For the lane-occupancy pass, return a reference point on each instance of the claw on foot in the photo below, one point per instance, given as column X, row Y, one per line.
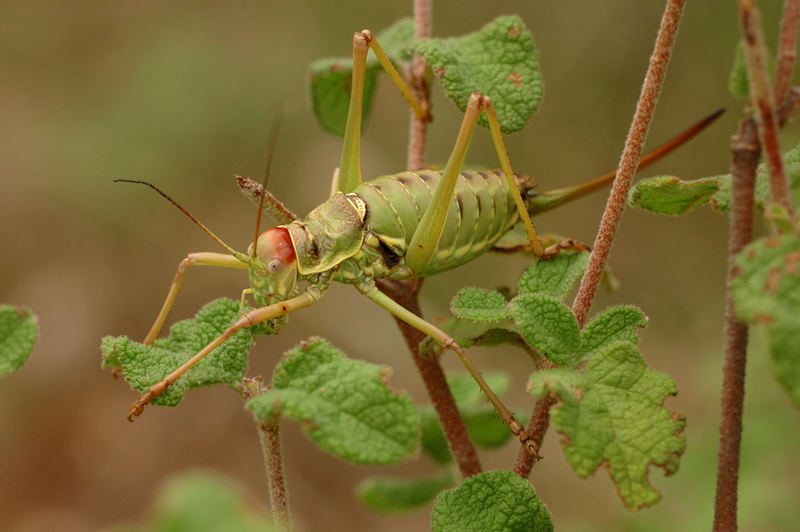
column 138, row 407
column 155, row 390
column 530, row 446
column 568, row 243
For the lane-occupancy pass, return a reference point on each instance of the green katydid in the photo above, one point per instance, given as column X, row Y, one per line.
column 411, row 224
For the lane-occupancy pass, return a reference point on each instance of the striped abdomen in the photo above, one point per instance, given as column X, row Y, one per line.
column 482, row 209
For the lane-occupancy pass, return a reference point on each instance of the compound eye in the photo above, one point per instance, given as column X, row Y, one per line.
column 274, row 266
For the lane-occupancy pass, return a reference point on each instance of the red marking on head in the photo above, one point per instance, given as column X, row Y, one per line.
column 279, row 243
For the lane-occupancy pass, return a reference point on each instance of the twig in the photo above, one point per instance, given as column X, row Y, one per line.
column 269, row 436
column 418, row 128
column 406, row 292
column 761, row 96
column 616, row 201
column 630, row 157
column 746, row 151
column 536, row 429
column 786, row 49
column 789, row 105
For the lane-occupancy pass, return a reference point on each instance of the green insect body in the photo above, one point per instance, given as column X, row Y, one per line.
column 411, row 224
column 363, row 235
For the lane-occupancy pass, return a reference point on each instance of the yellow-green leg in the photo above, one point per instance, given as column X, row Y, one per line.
column 426, row 237
column 350, row 164
column 306, row 299
column 206, row 258
column 371, row 291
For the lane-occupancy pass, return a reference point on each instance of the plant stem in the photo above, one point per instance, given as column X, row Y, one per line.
column 406, row 292
column 630, row 157
column 629, row 161
column 761, row 96
column 418, row 128
column 786, row 49
column 536, row 429
column 746, row 151
column 270, row 437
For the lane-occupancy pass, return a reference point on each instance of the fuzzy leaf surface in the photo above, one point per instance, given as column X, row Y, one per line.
column 766, row 292
column 670, row 195
column 611, row 413
column 144, row 365
column 475, row 304
column 548, row 326
column 499, row 61
column 330, row 80
column 493, row 501
column 19, row 329
column 613, row 324
column 393, row 494
column 346, row 406
column 555, row 276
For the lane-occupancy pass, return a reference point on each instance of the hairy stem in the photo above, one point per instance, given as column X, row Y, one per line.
column 629, row 161
column 746, row 151
column 761, row 96
column 536, row 429
column 406, row 292
column 786, row 49
column 269, row 436
column 418, row 128
column 630, row 157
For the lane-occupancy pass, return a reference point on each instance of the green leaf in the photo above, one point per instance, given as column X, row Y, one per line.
column 144, row 365
column 499, row 61
column 786, row 356
column 202, row 501
column 392, row 494
column 611, row 414
column 479, row 305
column 615, row 323
column 18, row 332
column 554, row 276
column 738, row 83
column 669, row 195
column 489, row 502
column 330, row 80
column 548, row 326
column 766, row 291
column 346, row 405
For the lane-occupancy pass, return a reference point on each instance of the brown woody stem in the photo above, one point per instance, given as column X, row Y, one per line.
column 761, row 97
column 630, row 157
column 786, row 49
column 629, row 161
column 746, row 151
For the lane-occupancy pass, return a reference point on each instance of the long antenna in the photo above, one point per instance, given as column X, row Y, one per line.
column 242, row 257
column 273, row 140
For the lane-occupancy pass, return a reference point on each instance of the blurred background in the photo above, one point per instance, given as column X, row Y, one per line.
column 181, row 93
